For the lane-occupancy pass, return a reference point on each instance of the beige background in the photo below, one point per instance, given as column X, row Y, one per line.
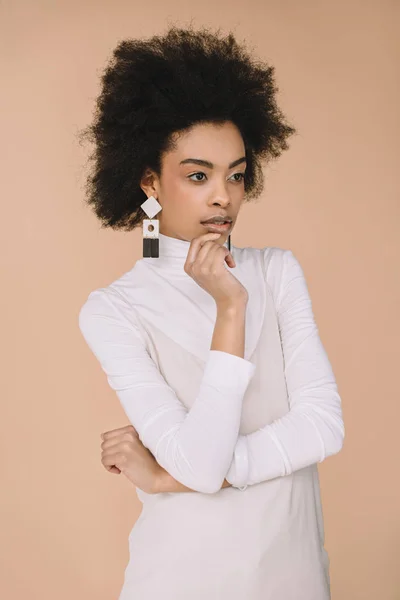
column 333, row 198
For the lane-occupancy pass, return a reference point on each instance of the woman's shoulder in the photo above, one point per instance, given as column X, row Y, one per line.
column 111, row 301
column 274, row 259
column 277, row 265
column 272, row 256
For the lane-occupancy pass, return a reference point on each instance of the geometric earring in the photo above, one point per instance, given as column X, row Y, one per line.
column 151, row 228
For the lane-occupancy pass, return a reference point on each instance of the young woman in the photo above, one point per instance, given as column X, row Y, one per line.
column 214, row 353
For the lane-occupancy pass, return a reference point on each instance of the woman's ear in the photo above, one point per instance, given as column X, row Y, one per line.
column 149, row 183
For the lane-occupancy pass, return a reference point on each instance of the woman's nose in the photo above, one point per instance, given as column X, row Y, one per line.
column 221, row 196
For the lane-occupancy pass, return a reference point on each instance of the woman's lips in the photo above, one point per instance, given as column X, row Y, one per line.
column 220, row 228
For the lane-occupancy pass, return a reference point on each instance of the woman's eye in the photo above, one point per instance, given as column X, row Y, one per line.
column 201, row 174
column 195, row 175
column 241, row 177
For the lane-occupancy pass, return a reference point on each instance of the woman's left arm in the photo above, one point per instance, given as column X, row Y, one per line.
column 166, row 483
column 313, row 427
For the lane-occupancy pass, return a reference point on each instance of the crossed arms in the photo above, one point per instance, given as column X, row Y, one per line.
column 201, row 449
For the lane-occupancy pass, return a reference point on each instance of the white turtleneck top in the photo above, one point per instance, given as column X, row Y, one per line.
column 202, row 447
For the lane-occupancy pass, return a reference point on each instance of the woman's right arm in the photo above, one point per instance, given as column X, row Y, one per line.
column 195, row 446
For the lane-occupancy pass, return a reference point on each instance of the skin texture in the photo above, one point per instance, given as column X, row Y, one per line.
column 190, row 193
column 123, row 452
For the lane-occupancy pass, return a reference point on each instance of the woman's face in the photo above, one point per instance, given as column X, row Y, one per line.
column 191, row 192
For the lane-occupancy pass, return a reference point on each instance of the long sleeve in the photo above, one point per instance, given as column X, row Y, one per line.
column 313, row 428
column 194, row 446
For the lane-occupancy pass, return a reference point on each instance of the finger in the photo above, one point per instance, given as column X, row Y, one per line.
column 113, row 469
column 126, row 439
column 206, row 256
column 230, row 260
column 113, row 459
column 111, row 443
column 197, row 243
column 115, row 432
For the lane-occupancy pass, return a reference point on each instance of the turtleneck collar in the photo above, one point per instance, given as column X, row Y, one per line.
column 172, row 254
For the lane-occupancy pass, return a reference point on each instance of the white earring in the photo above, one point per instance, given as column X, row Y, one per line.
column 151, row 228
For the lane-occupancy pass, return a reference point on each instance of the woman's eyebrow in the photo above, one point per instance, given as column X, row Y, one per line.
column 206, row 163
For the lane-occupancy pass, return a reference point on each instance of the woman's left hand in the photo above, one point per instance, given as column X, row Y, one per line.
column 122, row 451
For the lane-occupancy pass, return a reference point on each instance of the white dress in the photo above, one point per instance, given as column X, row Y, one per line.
column 263, row 422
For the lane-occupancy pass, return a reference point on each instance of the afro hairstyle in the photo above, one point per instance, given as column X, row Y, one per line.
column 155, row 88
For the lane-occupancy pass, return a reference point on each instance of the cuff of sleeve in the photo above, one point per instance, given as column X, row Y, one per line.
column 228, row 370
column 238, row 472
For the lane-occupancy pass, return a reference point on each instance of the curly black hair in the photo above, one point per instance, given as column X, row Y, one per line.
column 154, row 88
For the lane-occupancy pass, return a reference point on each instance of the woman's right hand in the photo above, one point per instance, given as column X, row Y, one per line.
column 205, row 264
